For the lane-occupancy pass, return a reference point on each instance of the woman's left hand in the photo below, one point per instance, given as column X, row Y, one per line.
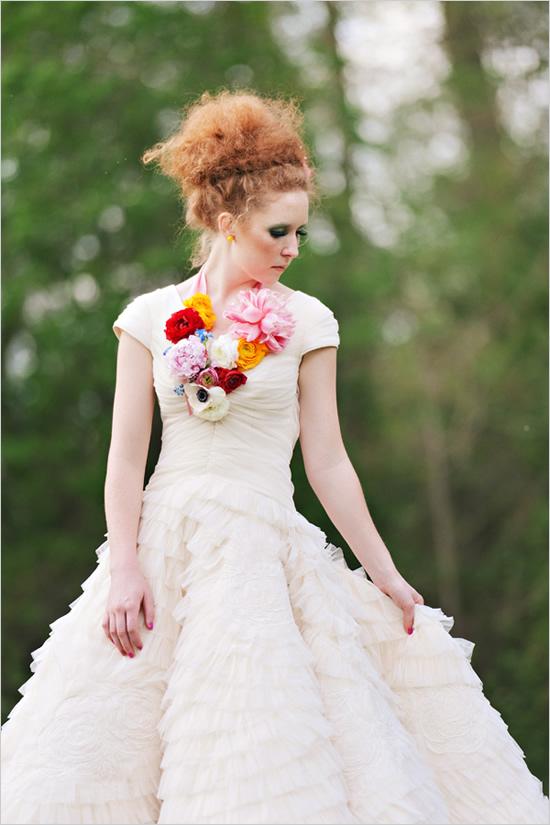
column 404, row 596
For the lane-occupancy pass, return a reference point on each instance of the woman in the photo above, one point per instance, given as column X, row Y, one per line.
column 223, row 664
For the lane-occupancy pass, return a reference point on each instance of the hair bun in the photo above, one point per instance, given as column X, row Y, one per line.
column 230, row 133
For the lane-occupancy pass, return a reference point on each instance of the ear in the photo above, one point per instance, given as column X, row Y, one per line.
column 224, row 222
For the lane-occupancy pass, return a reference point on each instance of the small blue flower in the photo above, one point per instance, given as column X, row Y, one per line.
column 203, row 335
column 179, row 390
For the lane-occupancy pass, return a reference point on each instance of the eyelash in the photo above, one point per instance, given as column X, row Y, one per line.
column 281, row 234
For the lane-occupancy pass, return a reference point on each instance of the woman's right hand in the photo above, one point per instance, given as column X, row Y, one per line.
column 129, row 589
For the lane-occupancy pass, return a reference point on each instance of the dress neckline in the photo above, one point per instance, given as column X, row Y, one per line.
column 199, row 284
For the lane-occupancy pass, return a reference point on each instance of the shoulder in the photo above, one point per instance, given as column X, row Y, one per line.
column 311, row 308
column 317, row 323
column 140, row 299
column 136, row 315
column 145, row 303
column 307, row 300
column 149, row 297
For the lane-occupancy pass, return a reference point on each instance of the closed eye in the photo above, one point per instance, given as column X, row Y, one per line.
column 280, row 233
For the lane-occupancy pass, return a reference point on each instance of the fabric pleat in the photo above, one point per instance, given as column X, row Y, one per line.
column 277, row 686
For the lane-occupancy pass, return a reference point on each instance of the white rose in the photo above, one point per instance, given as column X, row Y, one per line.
column 224, row 351
column 210, row 403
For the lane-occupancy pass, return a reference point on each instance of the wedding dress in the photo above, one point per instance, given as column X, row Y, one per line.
column 277, row 685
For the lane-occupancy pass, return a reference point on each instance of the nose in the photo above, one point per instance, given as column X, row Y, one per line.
column 291, row 250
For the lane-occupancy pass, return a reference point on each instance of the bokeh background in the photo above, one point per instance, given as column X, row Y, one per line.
column 428, row 124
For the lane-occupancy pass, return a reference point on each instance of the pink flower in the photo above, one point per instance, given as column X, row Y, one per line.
column 186, row 358
column 261, row 315
column 207, row 377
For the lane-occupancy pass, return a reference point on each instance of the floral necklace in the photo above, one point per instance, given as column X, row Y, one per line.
column 209, row 368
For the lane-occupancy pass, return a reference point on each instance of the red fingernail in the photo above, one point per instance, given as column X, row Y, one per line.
column 410, row 630
column 150, row 626
column 131, row 655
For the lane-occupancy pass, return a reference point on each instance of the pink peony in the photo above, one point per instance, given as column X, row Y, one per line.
column 261, row 315
column 187, row 357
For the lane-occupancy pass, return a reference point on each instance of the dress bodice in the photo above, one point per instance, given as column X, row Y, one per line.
column 253, row 443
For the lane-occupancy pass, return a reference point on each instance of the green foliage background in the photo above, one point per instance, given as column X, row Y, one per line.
column 442, row 366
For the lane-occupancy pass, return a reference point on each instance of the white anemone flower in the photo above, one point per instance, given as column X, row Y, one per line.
column 210, row 403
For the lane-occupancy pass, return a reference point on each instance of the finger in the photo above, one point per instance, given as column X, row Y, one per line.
column 105, row 626
column 148, row 610
column 122, row 634
column 408, row 618
column 113, row 634
column 132, row 630
column 419, row 599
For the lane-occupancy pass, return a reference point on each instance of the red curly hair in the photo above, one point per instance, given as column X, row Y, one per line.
column 230, row 152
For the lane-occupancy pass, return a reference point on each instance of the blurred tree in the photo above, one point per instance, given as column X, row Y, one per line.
column 437, row 275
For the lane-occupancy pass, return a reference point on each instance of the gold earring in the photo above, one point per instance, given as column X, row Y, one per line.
column 231, row 237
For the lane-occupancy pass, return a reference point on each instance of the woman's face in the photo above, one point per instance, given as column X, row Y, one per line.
column 271, row 236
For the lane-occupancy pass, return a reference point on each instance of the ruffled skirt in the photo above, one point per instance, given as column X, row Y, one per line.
column 277, row 686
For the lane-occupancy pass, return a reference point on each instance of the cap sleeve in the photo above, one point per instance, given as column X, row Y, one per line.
column 135, row 318
column 321, row 328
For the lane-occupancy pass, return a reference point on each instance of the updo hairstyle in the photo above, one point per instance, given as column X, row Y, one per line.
column 231, row 152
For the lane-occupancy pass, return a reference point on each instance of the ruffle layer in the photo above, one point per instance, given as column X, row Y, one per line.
column 478, row 767
column 277, row 686
column 243, row 726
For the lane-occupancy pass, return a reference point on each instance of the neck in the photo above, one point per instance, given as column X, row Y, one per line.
column 224, row 279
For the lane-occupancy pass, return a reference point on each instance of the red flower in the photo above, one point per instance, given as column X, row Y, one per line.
column 182, row 324
column 230, row 379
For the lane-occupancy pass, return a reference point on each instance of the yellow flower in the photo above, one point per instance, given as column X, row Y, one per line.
column 250, row 353
column 202, row 304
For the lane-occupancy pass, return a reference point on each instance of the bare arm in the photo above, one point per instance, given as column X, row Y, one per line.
column 328, row 467
column 335, row 482
column 131, row 432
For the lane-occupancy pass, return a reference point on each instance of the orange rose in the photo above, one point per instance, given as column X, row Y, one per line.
column 202, row 304
column 250, row 353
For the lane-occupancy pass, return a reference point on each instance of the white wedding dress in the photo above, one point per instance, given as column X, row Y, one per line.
column 277, row 686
